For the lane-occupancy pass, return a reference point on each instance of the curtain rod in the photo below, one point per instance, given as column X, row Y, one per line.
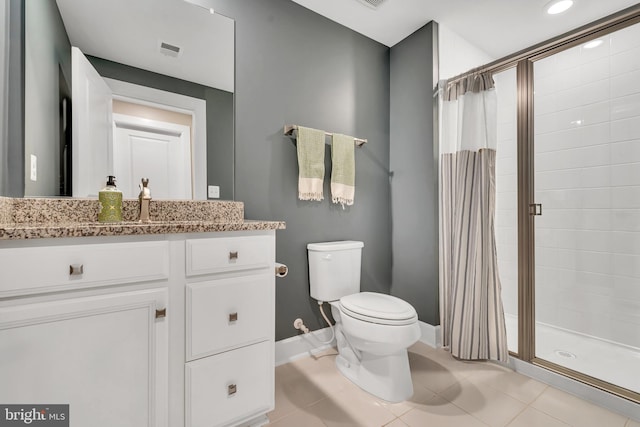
column 622, row 18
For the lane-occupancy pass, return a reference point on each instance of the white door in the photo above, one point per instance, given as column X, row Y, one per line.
column 105, row 356
column 91, row 128
column 160, row 151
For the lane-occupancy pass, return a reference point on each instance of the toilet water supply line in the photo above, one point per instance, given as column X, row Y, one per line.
column 298, row 324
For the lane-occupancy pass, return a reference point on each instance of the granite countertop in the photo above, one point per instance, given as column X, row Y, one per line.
column 51, row 218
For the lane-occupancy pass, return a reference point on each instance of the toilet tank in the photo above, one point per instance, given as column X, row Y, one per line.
column 334, row 269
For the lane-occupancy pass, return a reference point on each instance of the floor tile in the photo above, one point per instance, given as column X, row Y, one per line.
column 420, row 396
column 575, row 411
column 421, row 348
column 432, row 372
column 293, row 391
column 533, row 418
column 396, row 423
column 297, row 419
column 518, row 386
column 321, row 370
column 488, row 405
column 351, row 407
column 441, row 413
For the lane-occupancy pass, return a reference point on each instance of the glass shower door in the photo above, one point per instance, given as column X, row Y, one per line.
column 587, row 187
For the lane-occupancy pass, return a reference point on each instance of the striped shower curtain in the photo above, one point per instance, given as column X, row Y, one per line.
column 471, row 311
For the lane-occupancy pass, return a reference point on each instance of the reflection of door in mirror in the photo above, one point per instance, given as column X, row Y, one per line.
column 92, row 154
column 139, row 142
column 159, row 150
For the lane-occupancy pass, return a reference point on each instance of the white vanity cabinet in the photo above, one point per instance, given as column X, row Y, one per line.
column 230, row 320
column 102, row 351
column 158, row 330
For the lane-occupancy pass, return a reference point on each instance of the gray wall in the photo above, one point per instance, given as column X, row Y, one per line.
column 47, row 55
column 414, row 200
column 296, row 67
column 219, row 116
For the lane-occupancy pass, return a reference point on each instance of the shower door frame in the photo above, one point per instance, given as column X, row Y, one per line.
column 524, row 61
column 526, row 199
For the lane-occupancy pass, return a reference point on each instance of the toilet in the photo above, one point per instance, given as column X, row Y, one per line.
column 373, row 330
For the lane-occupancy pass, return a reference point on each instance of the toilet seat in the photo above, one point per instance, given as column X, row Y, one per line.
column 378, row 308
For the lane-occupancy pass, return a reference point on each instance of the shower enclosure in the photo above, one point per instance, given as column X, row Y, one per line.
column 568, row 204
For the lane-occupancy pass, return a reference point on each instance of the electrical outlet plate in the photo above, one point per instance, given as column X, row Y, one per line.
column 213, row 192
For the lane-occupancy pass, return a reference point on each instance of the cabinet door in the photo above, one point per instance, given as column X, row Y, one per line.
column 105, row 356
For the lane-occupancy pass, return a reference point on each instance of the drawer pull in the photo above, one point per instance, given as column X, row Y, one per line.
column 161, row 313
column 233, row 317
column 233, row 255
column 76, row 269
column 231, row 389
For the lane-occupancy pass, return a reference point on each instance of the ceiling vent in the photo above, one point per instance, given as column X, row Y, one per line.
column 373, row 4
column 169, row 49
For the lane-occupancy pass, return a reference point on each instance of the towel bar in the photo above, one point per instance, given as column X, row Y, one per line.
column 288, row 130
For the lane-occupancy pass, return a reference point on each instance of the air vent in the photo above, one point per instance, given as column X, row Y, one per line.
column 169, row 49
column 374, row 4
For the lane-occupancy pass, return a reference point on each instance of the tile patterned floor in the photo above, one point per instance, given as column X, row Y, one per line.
column 311, row 392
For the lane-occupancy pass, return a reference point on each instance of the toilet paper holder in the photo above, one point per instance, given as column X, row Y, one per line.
column 281, row 270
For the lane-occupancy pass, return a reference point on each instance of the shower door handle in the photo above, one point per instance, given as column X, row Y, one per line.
column 535, row 209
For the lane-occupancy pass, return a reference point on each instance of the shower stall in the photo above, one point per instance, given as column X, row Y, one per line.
column 568, row 204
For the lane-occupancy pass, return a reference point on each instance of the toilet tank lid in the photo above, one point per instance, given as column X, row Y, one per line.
column 334, row 246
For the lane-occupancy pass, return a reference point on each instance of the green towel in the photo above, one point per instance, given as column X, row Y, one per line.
column 310, row 163
column 343, row 172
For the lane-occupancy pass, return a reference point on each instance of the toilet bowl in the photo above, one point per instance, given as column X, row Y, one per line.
column 372, row 353
column 373, row 330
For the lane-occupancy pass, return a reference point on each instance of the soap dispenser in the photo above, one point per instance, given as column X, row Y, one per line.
column 110, row 201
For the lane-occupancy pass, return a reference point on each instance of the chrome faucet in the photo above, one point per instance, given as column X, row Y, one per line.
column 144, row 201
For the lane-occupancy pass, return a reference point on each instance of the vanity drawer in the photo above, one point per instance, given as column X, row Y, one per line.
column 226, row 313
column 219, row 255
column 230, row 387
column 29, row 270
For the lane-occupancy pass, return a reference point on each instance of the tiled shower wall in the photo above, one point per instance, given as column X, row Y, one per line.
column 507, row 195
column 587, row 177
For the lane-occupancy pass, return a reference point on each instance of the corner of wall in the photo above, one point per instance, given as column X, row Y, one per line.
column 457, row 55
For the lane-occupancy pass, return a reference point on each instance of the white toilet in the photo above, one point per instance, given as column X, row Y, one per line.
column 373, row 331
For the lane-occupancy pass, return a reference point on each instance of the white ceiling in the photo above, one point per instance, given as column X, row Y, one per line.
column 129, row 32
column 498, row 27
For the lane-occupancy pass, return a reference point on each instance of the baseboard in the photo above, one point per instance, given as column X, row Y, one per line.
column 430, row 334
column 304, row 345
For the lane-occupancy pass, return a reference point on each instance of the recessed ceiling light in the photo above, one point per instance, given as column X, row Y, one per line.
column 558, row 6
column 593, row 43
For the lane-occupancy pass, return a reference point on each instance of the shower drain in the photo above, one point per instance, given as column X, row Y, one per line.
column 565, row 354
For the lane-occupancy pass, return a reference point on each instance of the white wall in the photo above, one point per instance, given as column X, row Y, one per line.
column 457, row 55
column 587, row 161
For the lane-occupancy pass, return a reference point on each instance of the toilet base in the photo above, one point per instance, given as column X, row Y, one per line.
column 387, row 377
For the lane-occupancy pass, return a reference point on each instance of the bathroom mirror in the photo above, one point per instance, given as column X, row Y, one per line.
column 146, row 53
